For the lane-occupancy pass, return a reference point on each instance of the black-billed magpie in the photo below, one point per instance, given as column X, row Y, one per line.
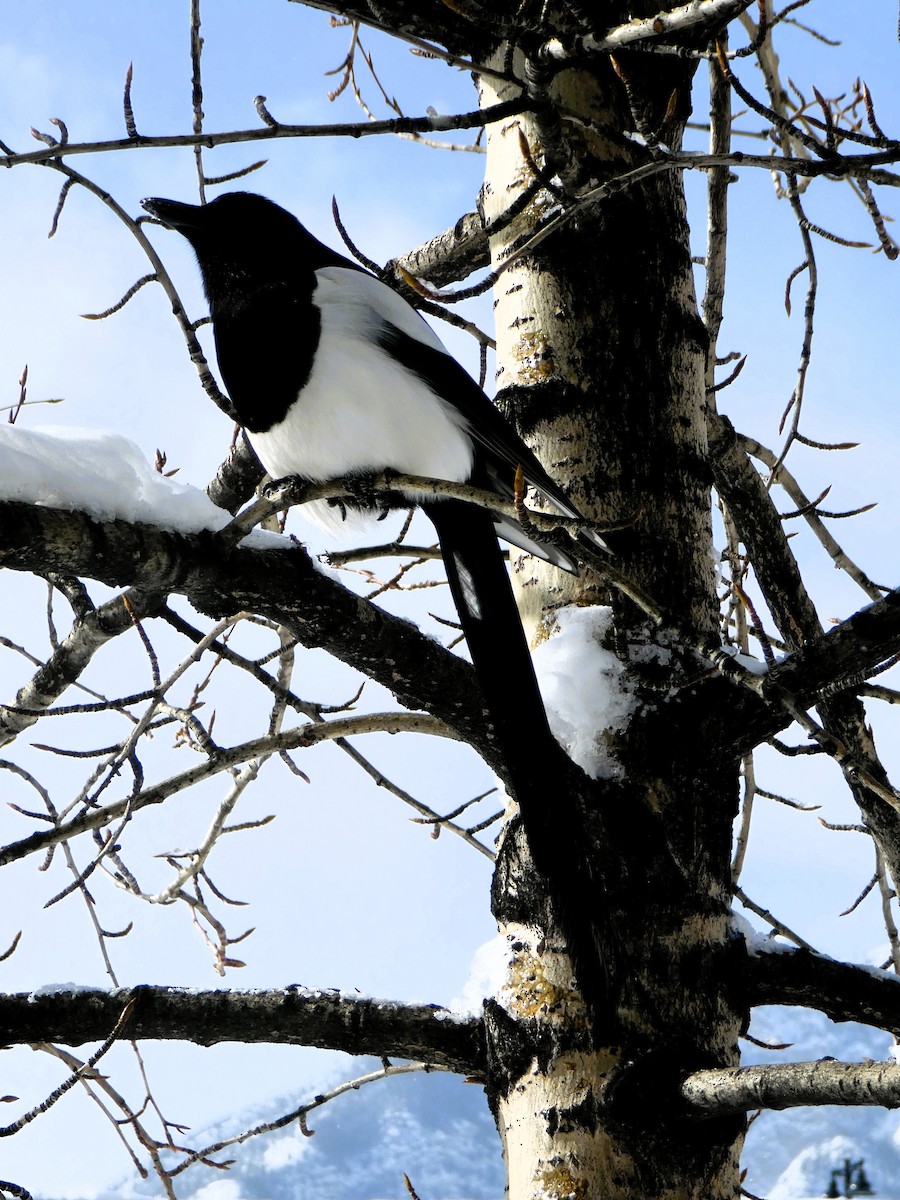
column 332, row 373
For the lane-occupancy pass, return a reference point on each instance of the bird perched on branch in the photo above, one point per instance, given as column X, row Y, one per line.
column 333, row 374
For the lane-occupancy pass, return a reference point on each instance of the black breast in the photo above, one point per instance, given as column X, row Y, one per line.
column 265, row 345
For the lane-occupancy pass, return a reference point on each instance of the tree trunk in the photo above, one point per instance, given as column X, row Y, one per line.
column 601, row 356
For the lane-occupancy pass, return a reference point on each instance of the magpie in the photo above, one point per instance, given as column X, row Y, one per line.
column 333, row 374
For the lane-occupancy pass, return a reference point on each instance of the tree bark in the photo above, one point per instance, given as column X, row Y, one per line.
column 601, row 357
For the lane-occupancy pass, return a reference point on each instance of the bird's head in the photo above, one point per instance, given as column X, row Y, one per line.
column 240, row 236
column 232, row 216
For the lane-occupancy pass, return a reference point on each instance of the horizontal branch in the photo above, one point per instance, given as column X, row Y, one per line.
column 665, row 24
column 397, row 486
column 841, row 166
column 290, row 1016
column 860, row 166
column 725, row 1090
column 842, row 991
column 266, row 133
column 221, row 579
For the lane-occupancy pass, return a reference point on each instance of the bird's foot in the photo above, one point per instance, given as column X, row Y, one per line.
column 284, row 492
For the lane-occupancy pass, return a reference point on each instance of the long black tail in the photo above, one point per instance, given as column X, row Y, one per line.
column 551, row 816
column 487, row 610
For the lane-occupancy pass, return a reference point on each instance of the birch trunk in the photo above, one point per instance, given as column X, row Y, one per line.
column 600, row 363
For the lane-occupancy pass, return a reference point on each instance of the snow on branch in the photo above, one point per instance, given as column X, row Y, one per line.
column 703, row 13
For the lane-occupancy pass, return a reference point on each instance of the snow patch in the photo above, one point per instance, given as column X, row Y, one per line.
column 106, row 476
column 102, row 474
column 486, row 977
column 587, row 693
column 810, row 1172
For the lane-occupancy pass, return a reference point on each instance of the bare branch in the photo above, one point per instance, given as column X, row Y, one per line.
column 71, row 658
column 223, row 759
column 777, row 926
column 197, row 96
column 789, row 1085
column 283, row 585
column 291, row 1016
column 843, row 991
column 124, row 1016
column 425, row 124
column 300, row 1114
column 120, row 304
column 783, row 476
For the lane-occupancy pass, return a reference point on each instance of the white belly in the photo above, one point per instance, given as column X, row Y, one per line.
column 359, row 412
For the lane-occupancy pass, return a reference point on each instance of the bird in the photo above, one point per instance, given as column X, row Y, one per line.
column 332, row 373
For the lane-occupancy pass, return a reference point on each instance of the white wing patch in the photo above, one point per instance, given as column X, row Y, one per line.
column 360, row 409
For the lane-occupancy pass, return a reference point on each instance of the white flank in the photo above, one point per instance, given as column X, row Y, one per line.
column 361, row 410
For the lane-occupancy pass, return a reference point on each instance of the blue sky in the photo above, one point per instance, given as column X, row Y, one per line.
column 361, row 897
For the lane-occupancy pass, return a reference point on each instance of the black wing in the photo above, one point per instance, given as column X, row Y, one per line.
column 502, row 450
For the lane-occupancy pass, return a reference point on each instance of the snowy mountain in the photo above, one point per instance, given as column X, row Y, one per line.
column 437, row 1129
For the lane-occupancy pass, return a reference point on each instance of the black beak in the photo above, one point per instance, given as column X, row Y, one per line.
column 172, row 213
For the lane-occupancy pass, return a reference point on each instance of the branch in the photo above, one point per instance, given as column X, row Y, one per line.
column 284, row 585
column 860, row 166
column 785, row 696
column 394, row 484
column 707, row 14
column 452, row 255
column 790, row 1085
column 845, row 656
column 299, row 1115
column 823, row 664
column 71, row 657
column 842, row 991
column 810, row 513
column 219, row 760
column 265, row 133
column 411, row 21
column 291, row 1016
column 237, row 478
column 762, row 532
column 785, row 689
column 716, row 217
